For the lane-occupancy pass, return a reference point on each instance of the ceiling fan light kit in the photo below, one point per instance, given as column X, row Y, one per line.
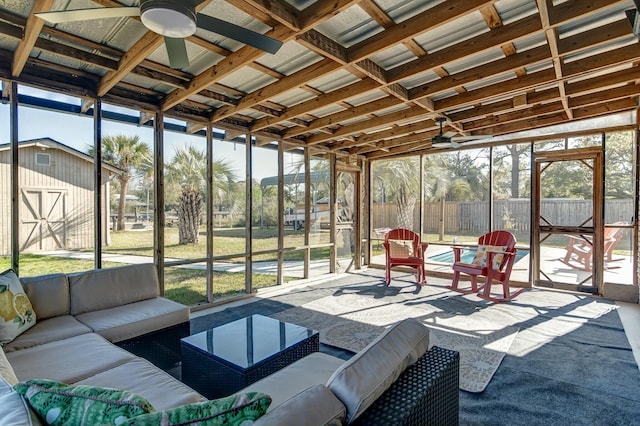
column 168, row 18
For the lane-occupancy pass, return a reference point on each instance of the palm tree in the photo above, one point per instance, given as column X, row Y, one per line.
column 189, row 170
column 402, row 184
column 131, row 155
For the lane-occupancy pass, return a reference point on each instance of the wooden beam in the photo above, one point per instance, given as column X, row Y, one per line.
column 474, row 46
column 491, row 69
column 435, row 17
column 361, row 126
column 231, row 63
column 288, row 83
column 348, row 114
column 320, row 101
column 31, row 32
column 147, row 44
column 551, row 34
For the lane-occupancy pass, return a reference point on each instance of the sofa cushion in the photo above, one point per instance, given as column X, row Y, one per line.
column 6, row 370
column 314, row 406
column 14, row 410
column 306, row 372
column 61, row 404
column 141, row 377
column 135, row 319
column 107, row 288
column 16, row 312
column 46, row 331
column 68, row 360
column 49, row 294
column 231, row 410
column 363, row 378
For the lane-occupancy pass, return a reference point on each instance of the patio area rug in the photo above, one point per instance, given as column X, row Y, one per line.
column 353, row 323
column 569, row 363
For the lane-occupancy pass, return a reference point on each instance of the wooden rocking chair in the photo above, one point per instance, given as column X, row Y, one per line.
column 403, row 248
column 494, row 260
column 580, row 248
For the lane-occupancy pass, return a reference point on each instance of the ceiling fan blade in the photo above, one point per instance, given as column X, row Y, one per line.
column 238, row 33
column 177, row 51
column 62, row 16
column 441, row 144
column 449, row 134
column 471, row 137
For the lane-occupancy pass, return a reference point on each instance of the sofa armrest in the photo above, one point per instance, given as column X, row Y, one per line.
column 427, row 393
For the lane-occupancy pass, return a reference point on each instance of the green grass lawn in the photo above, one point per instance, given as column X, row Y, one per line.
column 182, row 284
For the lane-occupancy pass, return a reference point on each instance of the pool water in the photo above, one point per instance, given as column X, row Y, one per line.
column 467, row 255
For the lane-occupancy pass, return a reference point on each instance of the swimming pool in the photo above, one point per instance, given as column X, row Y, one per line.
column 467, row 255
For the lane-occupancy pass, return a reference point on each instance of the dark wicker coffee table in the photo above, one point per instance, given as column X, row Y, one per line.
column 225, row 359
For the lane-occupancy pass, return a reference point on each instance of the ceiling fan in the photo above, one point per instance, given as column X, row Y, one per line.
column 173, row 19
column 448, row 140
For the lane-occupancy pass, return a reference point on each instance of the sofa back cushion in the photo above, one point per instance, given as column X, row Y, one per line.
column 107, row 288
column 370, row 372
column 49, row 294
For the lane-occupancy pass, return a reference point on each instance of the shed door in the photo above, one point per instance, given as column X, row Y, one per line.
column 44, row 219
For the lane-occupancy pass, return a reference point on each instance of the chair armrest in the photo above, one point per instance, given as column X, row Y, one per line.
column 457, row 251
column 426, row 393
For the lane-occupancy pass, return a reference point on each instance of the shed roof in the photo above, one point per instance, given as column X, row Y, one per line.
column 48, row 143
column 297, row 178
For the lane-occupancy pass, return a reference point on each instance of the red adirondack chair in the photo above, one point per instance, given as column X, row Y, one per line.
column 403, row 248
column 494, row 260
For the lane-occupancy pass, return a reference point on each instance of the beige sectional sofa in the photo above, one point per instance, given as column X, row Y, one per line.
column 83, row 320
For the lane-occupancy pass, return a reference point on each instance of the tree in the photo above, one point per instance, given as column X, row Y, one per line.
column 188, row 169
column 131, row 155
column 401, row 178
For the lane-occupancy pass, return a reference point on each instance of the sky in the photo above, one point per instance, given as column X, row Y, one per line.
column 77, row 132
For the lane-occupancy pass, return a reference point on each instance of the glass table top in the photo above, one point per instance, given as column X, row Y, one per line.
column 248, row 341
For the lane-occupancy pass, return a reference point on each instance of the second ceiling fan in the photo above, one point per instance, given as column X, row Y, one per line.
column 173, row 19
column 449, row 140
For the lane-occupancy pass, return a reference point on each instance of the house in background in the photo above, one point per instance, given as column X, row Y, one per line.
column 56, row 197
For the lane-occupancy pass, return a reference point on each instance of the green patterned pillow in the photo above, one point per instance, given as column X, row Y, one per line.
column 61, row 404
column 230, row 410
column 16, row 312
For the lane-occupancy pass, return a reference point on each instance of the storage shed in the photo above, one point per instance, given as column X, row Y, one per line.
column 56, row 197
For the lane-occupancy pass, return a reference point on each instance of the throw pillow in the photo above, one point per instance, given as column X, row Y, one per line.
column 16, row 313
column 230, row 410
column 480, row 258
column 61, row 404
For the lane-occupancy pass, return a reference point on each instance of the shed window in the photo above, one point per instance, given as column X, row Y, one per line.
column 43, row 159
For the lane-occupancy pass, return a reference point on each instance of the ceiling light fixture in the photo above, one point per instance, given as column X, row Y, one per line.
column 168, row 18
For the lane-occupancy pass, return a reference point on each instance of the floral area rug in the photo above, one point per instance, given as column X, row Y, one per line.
column 352, row 321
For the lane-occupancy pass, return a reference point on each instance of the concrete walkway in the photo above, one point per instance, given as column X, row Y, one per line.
column 292, row 268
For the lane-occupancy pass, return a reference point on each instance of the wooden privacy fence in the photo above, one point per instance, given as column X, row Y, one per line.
column 473, row 217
